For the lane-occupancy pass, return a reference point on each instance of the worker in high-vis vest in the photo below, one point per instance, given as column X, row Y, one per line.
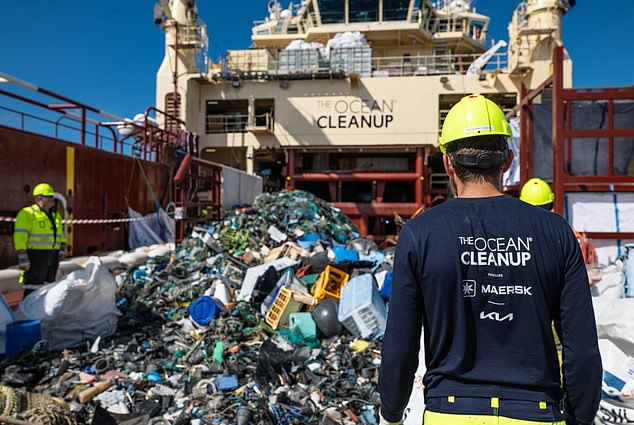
column 485, row 275
column 39, row 239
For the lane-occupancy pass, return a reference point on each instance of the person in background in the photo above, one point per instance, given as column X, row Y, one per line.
column 38, row 239
column 485, row 275
column 538, row 193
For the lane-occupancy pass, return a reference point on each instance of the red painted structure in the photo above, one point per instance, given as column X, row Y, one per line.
column 105, row 183
column 563, row 181
column 193, row 176
column 361, row 212
column 109, row 171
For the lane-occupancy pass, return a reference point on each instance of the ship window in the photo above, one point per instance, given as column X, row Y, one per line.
column 227, row 116
column 476, row 29
column 395, row 10
column 332, row 11
column 264, row 113
column 311, row 14
column 429, row 18
column 416, row 10
column 363, row 10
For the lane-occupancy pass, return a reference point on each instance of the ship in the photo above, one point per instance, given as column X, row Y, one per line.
column 344, row 99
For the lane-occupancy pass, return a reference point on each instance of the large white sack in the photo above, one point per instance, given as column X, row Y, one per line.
column 612, row 283
column 76, row 308
column 615, row 321
column 614, row 412
column 615, row 328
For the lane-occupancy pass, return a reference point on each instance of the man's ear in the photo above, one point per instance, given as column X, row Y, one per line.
column 448, row 165
column 509, row 161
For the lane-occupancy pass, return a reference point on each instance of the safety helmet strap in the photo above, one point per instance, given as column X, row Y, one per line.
column 482, row 160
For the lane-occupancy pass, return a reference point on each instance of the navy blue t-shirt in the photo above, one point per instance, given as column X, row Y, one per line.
column 486, row 278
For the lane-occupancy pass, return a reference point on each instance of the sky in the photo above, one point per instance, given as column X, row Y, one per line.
column 106, row 53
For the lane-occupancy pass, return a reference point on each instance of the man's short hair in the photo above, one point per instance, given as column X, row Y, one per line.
column 472, row 147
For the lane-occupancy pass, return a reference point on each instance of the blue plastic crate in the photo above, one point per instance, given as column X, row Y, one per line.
column 361, row 309
column 345, row 255
column 226, row 383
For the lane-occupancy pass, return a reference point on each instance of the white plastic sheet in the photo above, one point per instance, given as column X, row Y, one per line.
column 347, row 39
column 239, row 188
column 79, row 307
column 602, row 212
column 512, row 175
column 416, row 406
column 615, row 327
column 612, row 283
column 157, row 228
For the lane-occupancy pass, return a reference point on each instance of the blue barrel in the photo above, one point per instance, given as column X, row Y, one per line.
column 22, row 336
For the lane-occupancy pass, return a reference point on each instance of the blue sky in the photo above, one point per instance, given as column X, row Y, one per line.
column 106, row 53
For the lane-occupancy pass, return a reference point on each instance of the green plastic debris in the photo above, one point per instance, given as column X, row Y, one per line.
column 310, row 279
column 218, row 350
column 234, row 239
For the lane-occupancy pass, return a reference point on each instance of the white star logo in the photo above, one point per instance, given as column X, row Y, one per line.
column 468, row 288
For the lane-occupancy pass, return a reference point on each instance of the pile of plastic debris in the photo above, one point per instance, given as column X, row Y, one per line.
column 282, row 326
column 279, row 217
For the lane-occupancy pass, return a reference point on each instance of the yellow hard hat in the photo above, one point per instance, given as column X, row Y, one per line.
column 473, row 116
column 43, row 189
column 537, row 192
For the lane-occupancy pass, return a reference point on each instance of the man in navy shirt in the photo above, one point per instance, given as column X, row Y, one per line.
column 486, row 274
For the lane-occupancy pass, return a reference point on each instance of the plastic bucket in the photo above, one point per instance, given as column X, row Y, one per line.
column 22, row 336
column 204, row 310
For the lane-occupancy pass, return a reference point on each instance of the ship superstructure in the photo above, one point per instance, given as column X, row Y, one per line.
column 345, row 98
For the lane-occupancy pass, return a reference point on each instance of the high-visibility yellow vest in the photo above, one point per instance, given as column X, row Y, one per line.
column 34, row 230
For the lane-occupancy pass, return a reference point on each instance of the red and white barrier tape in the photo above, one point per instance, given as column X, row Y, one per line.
column 92, row 220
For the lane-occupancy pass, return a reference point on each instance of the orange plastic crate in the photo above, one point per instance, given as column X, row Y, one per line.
column 282, row 307
column 329, row 284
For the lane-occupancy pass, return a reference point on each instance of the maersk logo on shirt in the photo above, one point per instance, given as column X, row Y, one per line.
column 469, row 288
column 497, row 252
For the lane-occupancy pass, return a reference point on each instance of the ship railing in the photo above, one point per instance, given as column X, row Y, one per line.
column 239, row 123
column 196, row 37
column 226, row 123
column 405, row 66
column 76, row 122
column 62, row 128
column 452, row 5
column 259, row 64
